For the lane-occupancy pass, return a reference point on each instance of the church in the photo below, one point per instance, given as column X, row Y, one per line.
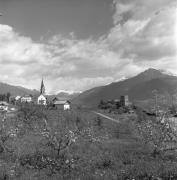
column 42, row 99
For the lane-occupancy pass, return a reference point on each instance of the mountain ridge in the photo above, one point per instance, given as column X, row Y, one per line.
column 15, row 90
column 139, row 87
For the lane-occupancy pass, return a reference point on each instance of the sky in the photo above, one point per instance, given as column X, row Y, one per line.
column 79, row 44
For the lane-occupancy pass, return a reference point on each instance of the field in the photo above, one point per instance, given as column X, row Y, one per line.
column 36, row 143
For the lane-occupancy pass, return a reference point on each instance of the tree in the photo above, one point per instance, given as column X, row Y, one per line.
column 47, row 141
column 159, row 131
column 8, row 96
column 102, row 105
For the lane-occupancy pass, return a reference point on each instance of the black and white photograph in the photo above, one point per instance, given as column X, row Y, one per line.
column 88, row 90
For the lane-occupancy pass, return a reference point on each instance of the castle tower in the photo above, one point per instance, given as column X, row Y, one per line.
column 124, row 100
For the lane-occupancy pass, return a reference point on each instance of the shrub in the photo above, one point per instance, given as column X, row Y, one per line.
column 98, row 122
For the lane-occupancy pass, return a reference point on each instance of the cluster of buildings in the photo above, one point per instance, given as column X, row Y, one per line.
column 43, row 100
column 121, row 103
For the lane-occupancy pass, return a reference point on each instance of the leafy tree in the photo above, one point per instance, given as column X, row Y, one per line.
column 102, row 105
column 158, row 131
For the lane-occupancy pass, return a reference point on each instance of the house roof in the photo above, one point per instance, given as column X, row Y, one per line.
column 26, row 96
column 61, row 102
column 17, row 97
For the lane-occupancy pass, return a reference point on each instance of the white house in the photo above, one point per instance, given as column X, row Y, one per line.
column 26, row 98
column 17, row 98
column 62, row 105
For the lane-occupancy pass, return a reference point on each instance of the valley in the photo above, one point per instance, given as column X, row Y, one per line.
column 116, row 139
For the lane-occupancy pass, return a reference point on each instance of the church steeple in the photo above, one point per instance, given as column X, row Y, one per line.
column 42, row 90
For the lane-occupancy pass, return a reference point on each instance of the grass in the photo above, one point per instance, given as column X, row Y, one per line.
column 77, row 144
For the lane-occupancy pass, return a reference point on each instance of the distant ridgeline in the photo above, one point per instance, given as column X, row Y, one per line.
column 139, row 88
column 16, row 90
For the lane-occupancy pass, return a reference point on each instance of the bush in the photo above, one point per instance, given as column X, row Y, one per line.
column 98, row 122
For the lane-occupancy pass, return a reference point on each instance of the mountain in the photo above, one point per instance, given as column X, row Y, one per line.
column 62, row 96
column 15, row 90
column 67, row 96
column 139, row 87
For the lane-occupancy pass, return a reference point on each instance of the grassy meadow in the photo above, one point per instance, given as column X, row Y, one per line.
column 37, row 143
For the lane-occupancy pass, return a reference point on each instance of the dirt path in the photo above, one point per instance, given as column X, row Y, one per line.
column 106, row 117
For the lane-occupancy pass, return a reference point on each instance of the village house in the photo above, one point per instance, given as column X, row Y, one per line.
column 62, row 105
column 17, row 98
column 42, row 100
column 26, row 99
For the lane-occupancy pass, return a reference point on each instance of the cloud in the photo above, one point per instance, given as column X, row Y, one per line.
column 139, row 9
column 148, row 33
column 143, row 36
column 66, row 63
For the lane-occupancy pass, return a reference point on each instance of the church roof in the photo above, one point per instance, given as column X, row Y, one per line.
column 42, row 96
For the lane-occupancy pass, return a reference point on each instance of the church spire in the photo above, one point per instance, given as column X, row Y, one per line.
column 42, row 90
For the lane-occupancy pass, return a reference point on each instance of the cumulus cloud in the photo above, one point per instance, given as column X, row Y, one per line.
column 143, row 36
column 145, row 31
column 66, row 63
